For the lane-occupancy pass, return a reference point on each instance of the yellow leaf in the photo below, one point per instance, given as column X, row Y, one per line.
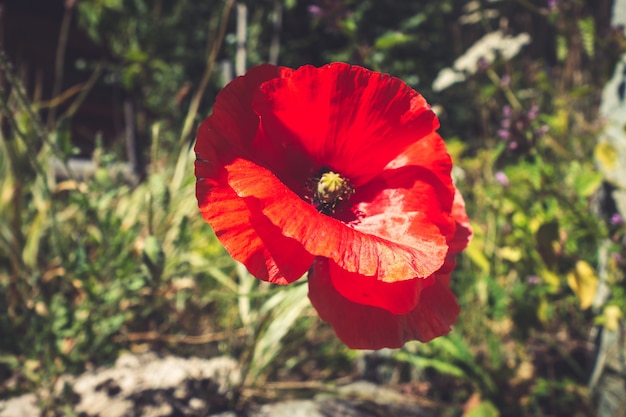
column 606, row 155
column 612, row 315
column 584, row 282
column 484, row 408
column 510, row 254
column 456, row 148
column 543, row 311
column 476, row 253
column 550, row 278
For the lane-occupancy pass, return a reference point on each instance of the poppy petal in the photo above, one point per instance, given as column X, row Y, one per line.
column 233, row 123
column 430, row 153
column 344, row 117
column 431, row 156
column 247, row 234
column 463, row 234
column 396, row 297
column 365, row 327
column 321, row 235
column 237, row 223
column 412, row 194
column 384, row 259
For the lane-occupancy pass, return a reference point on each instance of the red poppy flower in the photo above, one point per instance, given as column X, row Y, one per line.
column 337, row 171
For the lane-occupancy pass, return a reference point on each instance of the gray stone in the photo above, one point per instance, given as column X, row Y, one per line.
column 151, row 386
column 22, row 406
column 360, row 399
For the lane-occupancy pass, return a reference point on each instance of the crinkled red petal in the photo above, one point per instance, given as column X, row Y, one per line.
column 444, row 274
column 370, row 115
column 464, row 232
column 325, row 236
column 431, row 156
column 344, row 117
column 365, row 327
column 398, row 297
column 248, row 236
column 412, row 194
column 239, row 224
column 233, row 123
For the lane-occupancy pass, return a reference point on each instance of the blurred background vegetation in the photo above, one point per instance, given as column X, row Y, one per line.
column 102, row 249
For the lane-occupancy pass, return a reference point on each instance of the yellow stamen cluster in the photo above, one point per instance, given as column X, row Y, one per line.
column 331, row 189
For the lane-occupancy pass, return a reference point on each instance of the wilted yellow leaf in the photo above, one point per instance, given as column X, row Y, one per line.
column 584, row 282
column 606, row 155
column 612, row 315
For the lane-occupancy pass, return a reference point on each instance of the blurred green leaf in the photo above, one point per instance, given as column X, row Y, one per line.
column 484, row 409
column 391, row 39
column 475, row 253
column 153, row 256
column 587, row 29
column 289, row 305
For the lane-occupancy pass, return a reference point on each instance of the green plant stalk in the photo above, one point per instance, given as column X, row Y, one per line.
column 83, row 92
column 154, row 148
column 215, row 48
column 277, row 24
column 510, row 96
column 60, row 58
column 266, row 347
column 16, row 238
column 183, row 158
column 25, row 105
column 531, row 7
column 21, row 96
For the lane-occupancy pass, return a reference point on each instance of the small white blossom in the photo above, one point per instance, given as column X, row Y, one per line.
column 488, row 48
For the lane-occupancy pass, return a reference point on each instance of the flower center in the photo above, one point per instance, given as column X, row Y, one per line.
column 328, row 190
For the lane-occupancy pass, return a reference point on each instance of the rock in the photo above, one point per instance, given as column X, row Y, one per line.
column 22, row 406
column 304, row 408
column 149, row 386
column 359, row 399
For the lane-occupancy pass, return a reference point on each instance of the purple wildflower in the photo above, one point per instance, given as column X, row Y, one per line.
column 533, row 280
column 504, row 134
column 315, row 10
column 502, row 178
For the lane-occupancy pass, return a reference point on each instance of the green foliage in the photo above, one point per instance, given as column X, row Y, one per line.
column 450, row 356
column 91, row 266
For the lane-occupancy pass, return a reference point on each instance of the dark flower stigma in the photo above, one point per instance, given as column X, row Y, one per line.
column 328, row 189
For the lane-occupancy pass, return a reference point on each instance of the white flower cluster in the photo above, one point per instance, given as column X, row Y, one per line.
column 486, row 49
